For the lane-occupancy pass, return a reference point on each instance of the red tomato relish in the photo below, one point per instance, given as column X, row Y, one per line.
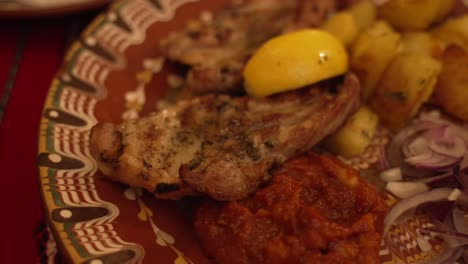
column 314, row 210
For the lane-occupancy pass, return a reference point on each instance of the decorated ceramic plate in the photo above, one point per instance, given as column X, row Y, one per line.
column 116, row 72
column 36, row 8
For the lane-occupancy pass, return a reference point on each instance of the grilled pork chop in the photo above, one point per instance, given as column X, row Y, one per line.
column 221, row 145
column 234, row 35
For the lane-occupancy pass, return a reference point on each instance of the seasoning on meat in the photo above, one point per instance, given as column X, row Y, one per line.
column 220, row 145
column 314, row 210
column 217, row 51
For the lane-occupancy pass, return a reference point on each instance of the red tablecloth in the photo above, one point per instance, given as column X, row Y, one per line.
column 30, row 53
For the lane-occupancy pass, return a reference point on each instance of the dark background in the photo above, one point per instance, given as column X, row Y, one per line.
column 31, row 50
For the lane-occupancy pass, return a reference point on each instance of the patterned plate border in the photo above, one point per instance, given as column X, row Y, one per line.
column 81, row 221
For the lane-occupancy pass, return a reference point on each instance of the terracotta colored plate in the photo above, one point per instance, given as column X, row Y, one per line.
column 11, row 9
column 103, row 77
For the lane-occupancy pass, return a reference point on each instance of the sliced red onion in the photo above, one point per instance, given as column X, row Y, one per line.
column 436, row 148
column 383, row 161
column 447, row 179
column 448, row 232
column 395, row 148
column 438, row 210
column 445, row 141
column 455, row 195
column 457, row 254
column 464, row 165
column 462, row 132
column 405, row 190
column 413, row 173
column 433, row 161
column 418, row 146
column 465, row 251
column 430, row 145
column 459, row 224
column 391, row 175
column 413, row 202
column 450, row 237
column 423, row 244
column 462, row 237
column 458, row 217
column 449, row 256
column 456, row 151
column 463, row 199
column 432, row 150
column 462, row 177
column 433, row 116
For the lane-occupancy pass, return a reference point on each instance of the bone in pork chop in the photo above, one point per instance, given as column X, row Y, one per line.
column 221, row 145
column 216, row 52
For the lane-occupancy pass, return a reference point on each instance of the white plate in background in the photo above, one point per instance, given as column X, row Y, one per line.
column 41, row 8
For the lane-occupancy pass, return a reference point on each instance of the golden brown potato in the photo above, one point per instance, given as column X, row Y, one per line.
column 422, row 43
column 415, row 14
column 343, row 26
column 364, row 12
column 355, row 135
column 372, row 52
column 445, row 9
column 460, row 8
column 451, row 91
column 406, row 84
column 453, row 31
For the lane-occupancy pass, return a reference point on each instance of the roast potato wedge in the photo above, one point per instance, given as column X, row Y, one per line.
column 453, row 31
column 415, row 14
column 355, row 135
column 422, row 43
column 451, row 91
column 364, row 12
column 407, row 83
column 372, row 52
column 342, row 25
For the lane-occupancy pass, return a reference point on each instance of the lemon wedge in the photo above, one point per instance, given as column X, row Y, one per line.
column 294, row 60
